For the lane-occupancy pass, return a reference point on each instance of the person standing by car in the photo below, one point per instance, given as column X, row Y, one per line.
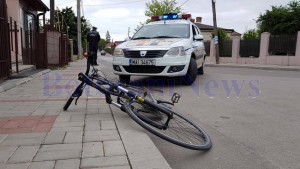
column 93, row 38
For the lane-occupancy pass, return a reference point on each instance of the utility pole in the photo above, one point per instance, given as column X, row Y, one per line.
column 216, row 40
column 128, row 32
column 79, row 30
column 51, row 14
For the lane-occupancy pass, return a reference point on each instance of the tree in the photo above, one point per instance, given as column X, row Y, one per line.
column 158, row 8
column 251, row 34
column 66, row 22
column 222, row 35
column 107, row 37
column 281, row 19
column 102, row 44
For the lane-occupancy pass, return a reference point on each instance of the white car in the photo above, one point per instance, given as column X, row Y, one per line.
column 171, row 47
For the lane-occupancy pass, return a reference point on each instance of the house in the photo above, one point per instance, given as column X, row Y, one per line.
column 208, row 30
column 24, row 18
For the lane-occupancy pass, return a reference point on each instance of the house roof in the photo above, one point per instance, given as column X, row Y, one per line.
column 37, row 5
column 204, row 27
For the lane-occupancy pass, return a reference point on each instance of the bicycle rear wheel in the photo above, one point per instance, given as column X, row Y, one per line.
column 180, row 130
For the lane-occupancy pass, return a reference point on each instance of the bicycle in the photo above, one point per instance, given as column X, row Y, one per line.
column 156, row 116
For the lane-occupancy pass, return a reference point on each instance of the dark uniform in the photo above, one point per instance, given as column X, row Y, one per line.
column 93, row 38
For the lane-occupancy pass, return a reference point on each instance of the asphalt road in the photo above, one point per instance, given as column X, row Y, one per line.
column 252, row 116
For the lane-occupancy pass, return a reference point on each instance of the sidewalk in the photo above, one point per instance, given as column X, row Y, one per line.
column 255, row 66
column 35, row 133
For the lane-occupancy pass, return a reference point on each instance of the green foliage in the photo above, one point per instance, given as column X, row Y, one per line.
column 66, row 22
column 281, row 19
column 251, row 34
column 222, row 35
column 108, row 50
column 158, row 8
column 102, row 44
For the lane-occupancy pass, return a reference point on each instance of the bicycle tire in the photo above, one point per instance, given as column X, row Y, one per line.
column 181, row 131
column 68, row 103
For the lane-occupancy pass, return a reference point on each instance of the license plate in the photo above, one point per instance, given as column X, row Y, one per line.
column 142, row 62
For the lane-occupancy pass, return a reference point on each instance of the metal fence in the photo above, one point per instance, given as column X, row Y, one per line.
column 249, row 48
column 225, row 48
column 5, row 64
column 207, row 47
column 282, row 45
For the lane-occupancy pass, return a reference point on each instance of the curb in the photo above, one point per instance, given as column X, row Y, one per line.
column 9, row 84
column 140, row 149
column 262, row 67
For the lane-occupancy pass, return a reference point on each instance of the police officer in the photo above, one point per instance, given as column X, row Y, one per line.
column 93, row 38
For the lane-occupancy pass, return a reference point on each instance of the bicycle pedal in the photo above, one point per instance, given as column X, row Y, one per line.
column 175, row 98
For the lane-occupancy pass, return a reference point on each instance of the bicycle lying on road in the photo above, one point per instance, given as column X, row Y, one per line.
column 156, row 116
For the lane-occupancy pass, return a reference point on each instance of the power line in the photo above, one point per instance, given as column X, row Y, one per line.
column 117, row 3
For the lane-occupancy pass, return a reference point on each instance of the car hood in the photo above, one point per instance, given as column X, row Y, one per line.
column 154, row 43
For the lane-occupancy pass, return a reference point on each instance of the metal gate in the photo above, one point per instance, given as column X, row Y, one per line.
column 4, row 43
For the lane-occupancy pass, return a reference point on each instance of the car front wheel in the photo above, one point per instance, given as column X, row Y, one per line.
column 191, row 74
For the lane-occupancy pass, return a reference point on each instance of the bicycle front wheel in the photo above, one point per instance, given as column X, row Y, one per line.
column 68, row 103
column 180, row 130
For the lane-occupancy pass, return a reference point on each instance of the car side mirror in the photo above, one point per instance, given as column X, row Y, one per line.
column 198, row 37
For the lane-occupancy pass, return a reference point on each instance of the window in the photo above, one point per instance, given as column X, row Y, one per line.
column 163, row 30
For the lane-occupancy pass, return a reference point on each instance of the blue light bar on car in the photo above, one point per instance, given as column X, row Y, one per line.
column 169, row 16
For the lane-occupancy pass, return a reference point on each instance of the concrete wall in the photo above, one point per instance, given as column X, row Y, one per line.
column 53, row 47
column 264, row 57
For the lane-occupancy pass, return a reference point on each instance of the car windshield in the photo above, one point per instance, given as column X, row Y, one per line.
column 163, row 31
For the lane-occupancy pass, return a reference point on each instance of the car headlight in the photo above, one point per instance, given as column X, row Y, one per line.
column 176, row 51
column 118, row 52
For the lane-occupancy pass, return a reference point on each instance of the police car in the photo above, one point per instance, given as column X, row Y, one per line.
column 170, row 45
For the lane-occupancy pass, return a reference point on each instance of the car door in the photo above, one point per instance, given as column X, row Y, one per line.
column 197, row 46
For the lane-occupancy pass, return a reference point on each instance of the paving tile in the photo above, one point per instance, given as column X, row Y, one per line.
column 2, row 137
column 22, row 142
column 6, row 152
column 17, row 166
column 115, row 167
column 57, row 155
column 68, row 124
column 73, row 137
column 23, row 154
column 13, row 123
column 15, row 130
column 92, row 149
column 67, row 164
column 61, row 147
column 58, row 152
column 104, row 162
column 92, row 125
column 54, row 137
column 113, row 148
column 29, row 123
column 42, row 165
column 108, row 125
column 101, row 135
column 66, row 129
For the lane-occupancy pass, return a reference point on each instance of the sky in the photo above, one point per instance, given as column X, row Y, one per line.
column 119, row 16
